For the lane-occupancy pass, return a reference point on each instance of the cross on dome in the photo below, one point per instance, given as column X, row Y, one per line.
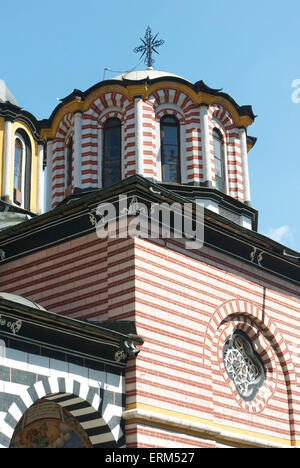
column 148, row 46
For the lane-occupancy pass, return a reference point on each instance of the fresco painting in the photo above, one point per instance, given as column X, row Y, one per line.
column 47, row 425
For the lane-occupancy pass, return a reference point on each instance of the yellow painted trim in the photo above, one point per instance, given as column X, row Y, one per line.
column 239, row 120
column 249, row 148
column 130, row 91
column 77, row 105
column 203, row 98
column 16, row 125
column 213, row 425
column 137, row 90
column 173, row 85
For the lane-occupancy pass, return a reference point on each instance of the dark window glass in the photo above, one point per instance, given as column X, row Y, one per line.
column 111, row 152
column 69, row 163
column 18, row 165
column 219, row 160
column 22, row 170
column 170, row 149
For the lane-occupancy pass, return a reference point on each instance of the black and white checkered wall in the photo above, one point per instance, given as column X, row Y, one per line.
column 92, row 392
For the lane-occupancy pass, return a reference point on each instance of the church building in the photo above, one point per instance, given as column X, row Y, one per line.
column 135, row 339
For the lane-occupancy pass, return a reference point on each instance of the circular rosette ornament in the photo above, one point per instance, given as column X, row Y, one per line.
column 243, row 365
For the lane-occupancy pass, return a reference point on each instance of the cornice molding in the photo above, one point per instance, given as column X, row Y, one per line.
column 14, row 114
column 190, row 425
column 200, row 94
column 73, row 218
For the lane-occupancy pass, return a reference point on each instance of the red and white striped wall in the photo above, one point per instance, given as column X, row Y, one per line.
column 141, row 145
column 220, row 118
column 185, row 305
column 64, row 132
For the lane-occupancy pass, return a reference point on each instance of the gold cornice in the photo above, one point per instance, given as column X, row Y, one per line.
column 202, row 97
column 138, row 90
column 210, row 99
column 173, row 85
column 133, row 90
column 82, row 106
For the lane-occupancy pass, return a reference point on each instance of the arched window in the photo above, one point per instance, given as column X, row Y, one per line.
column 69, row 166
column 22, row 170
column 218, row 146
column 18, row 170
column 111, row 165
column 170, row 149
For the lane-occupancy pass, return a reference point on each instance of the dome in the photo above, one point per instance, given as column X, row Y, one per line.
column 6, row 95
column 149, row 73
column 20, row 300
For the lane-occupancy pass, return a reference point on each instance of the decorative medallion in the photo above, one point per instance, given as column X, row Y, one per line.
column 243, row 365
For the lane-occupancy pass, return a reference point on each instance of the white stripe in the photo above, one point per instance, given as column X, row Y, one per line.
column 40, row 390
column 26, row 399
column 55, row 397
column 53, row 382
column 12, row 388
column 117, row 432
column 69, row 385
column 84, row 389
column 93, row 423
column 72, row 401
column 101, row 438
column 6, row 429
column 96, row 402
column 15, row 411
column 83, row 411
column 112, row 410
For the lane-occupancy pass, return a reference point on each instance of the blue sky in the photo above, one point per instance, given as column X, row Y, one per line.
column 249, row 49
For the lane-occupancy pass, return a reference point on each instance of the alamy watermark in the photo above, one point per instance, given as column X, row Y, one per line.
column 296, row 93
column 159, row 220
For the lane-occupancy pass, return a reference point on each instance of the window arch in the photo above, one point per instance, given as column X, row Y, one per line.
column 170, row 149
column 112, row 154
column 22, row 170
column 18, row 170
column 69, row 166
column 218, row 148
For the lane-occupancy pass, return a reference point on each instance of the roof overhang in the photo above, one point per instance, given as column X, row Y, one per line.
column 109, row 344
column 77, row 216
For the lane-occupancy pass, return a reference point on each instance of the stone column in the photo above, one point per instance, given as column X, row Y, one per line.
column 245, row 171
column 183, row 155
column 40, row 180
column 206, row 157
column 158, row 151
column 7, row 161
column 122, row 152
column 49, row 175
column 138, row 107
column 77, row 148
column 100, row 155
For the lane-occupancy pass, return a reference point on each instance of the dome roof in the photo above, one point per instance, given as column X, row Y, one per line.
column 20, row 300
column 6, row 95
column 149, row 73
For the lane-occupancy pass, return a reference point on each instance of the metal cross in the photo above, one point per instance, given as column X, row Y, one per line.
column 149, row 44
